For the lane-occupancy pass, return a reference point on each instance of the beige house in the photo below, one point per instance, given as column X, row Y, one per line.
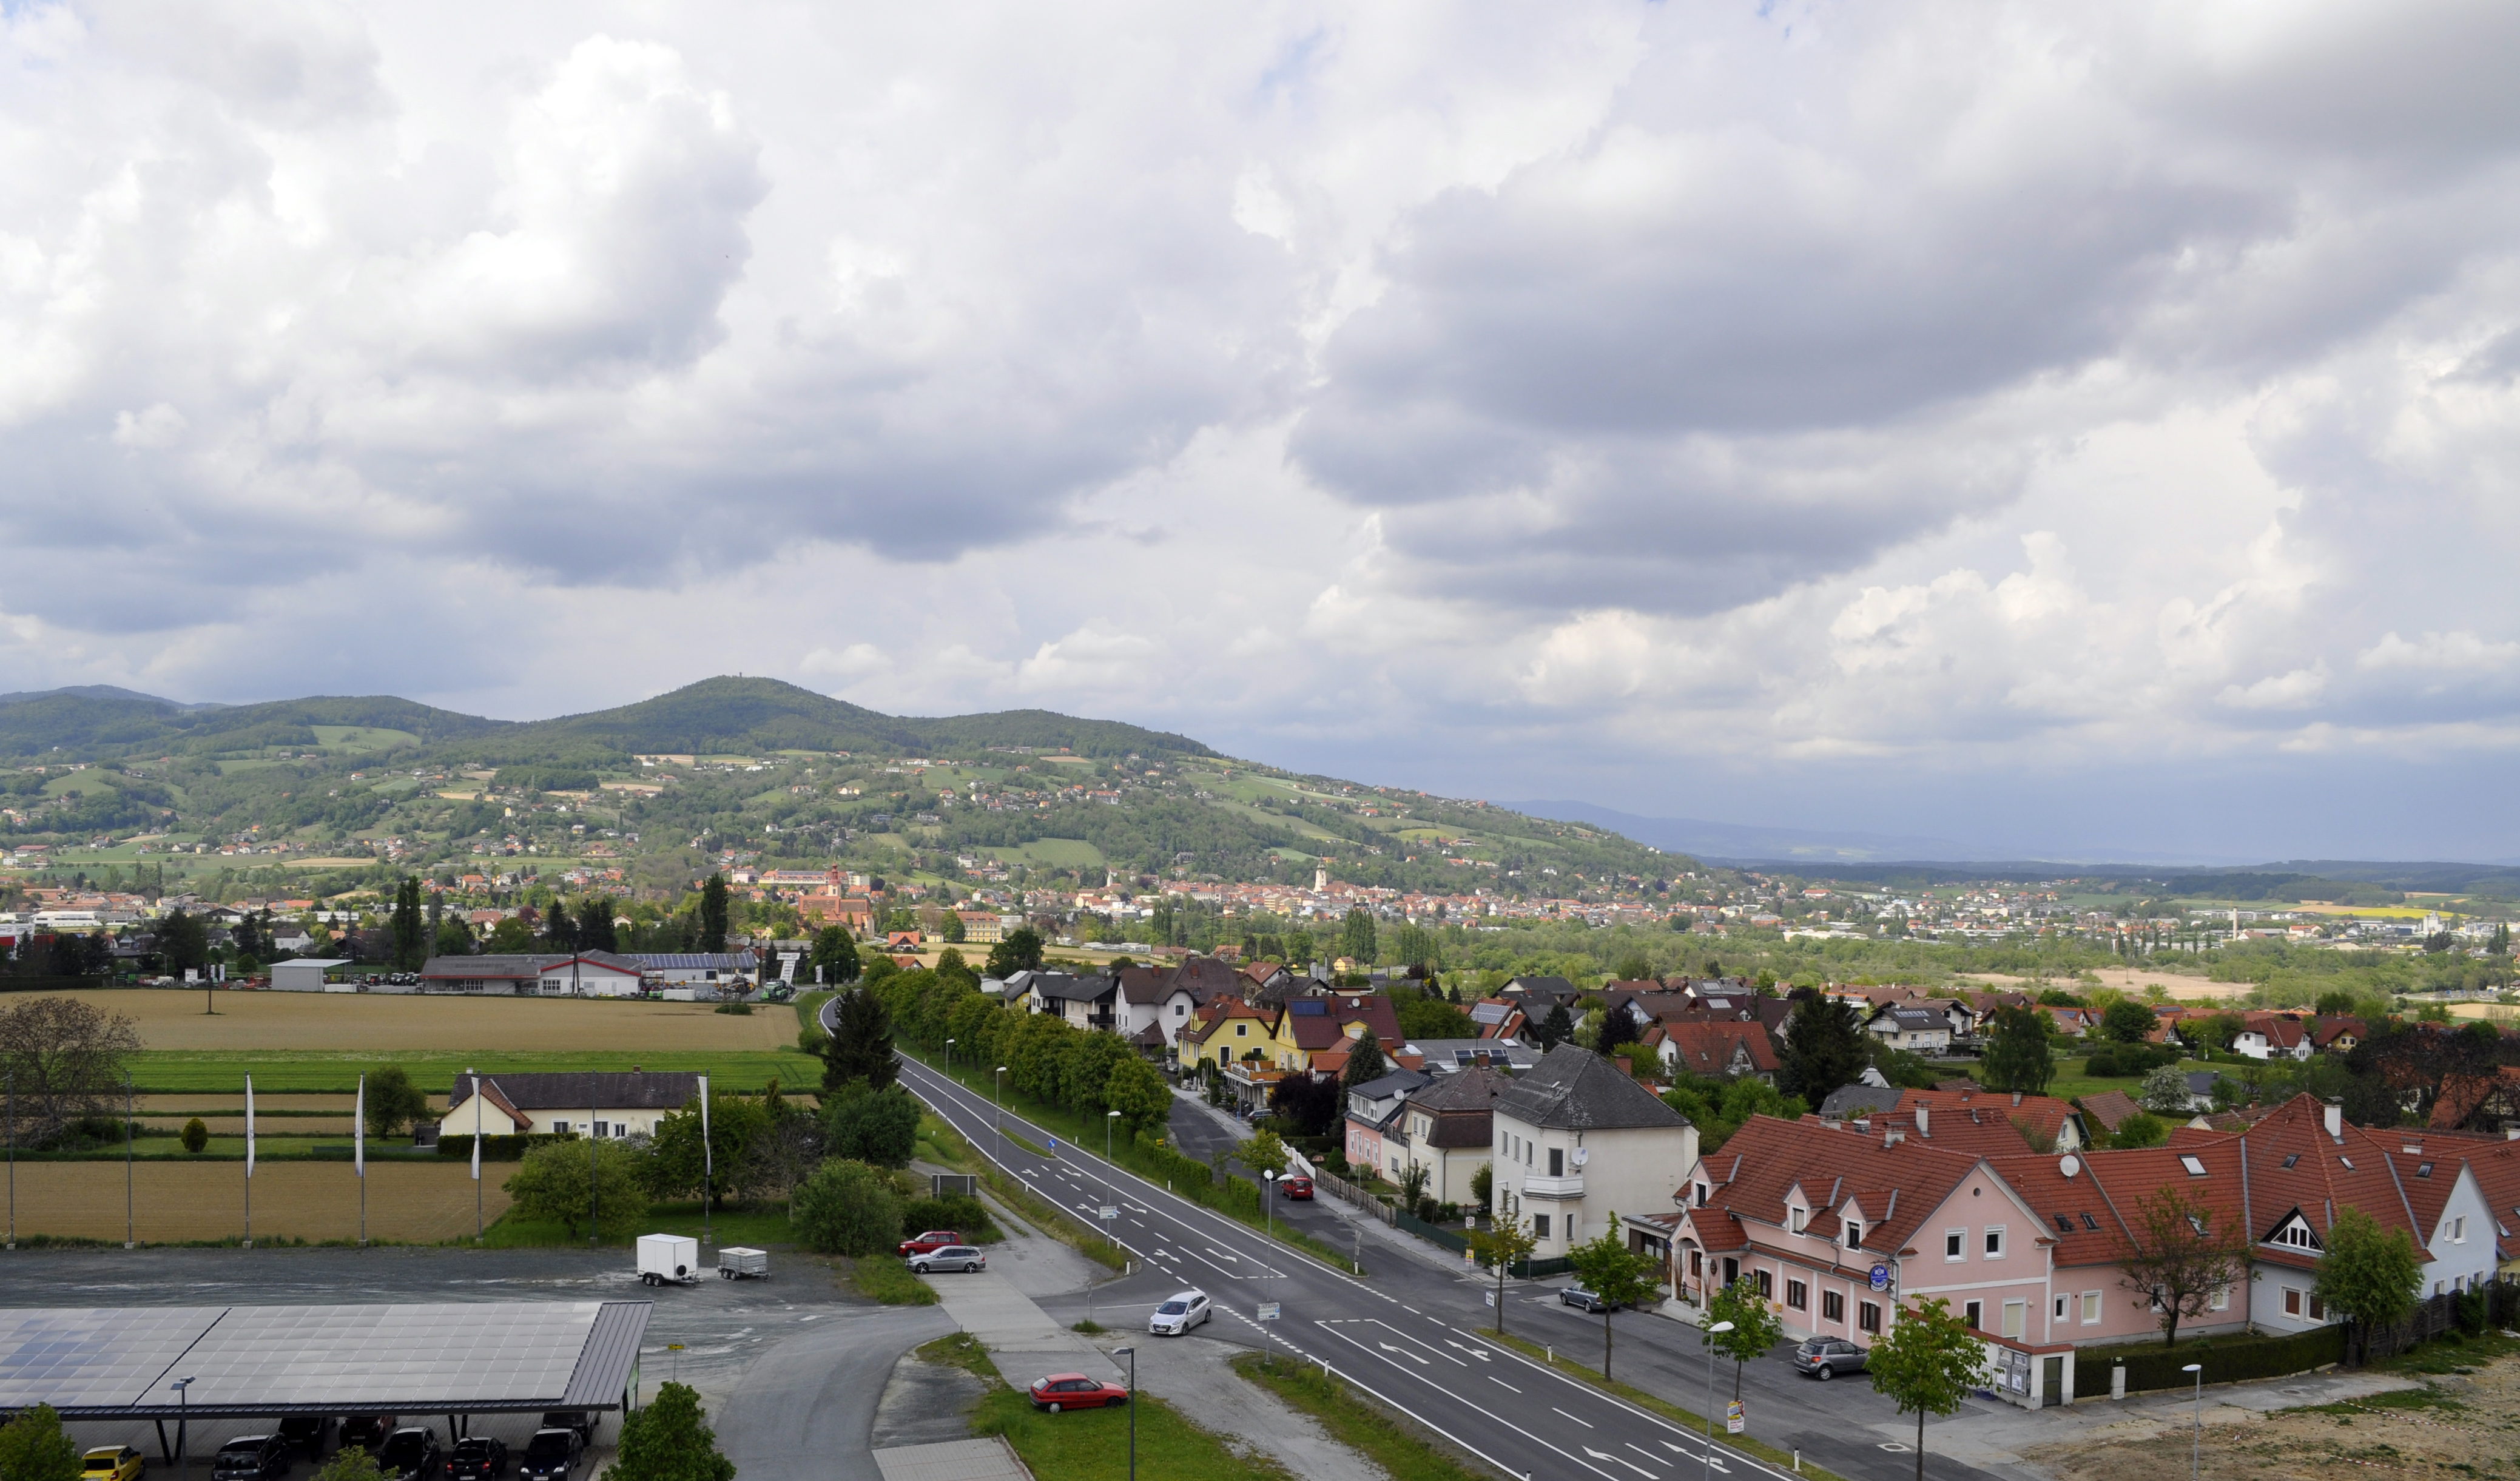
column 603, row 1103
column 1576, row 1144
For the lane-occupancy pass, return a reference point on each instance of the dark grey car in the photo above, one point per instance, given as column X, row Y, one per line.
column 1824, row 1358
column 1576, row 1295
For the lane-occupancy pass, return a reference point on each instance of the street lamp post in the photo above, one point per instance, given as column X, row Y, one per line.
column 2196, row 1433
column 1711, row 1333
column 1269, row 1203
column 949, row 1053
column 1131, row 1353
column 184, row 1412
column 1112, row 1226
column 999, row 1080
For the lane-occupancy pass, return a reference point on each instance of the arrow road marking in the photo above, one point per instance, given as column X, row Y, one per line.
column 1602, row 1455
column 1222, row 1255
column 1477, row 1353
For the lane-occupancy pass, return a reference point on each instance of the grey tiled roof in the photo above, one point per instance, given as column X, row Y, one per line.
column 1858, row 1100
column 1578, row 1090
column 649, row 1090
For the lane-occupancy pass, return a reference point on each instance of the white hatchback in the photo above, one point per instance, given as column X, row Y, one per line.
column 1179, row 1314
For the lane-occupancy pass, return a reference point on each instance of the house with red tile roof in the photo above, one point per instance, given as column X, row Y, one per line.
column 2109, row 1109
column 1713, row 1049
column 2269, row 1035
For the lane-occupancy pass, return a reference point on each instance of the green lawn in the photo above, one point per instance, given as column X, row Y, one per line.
column 886, row 1279
column 1093, row 1444
column 176, row 1071
column 2071, row 1083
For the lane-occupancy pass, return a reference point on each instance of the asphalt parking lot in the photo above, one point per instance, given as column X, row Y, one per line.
column 724, row 1326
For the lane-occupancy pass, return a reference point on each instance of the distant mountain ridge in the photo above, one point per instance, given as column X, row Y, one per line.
column 1729, row 843
column 720, row 715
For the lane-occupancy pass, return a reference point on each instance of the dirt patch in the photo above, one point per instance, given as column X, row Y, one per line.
column 174, row 1201
column 2126, row 979
column 172, row 1019
column 2467, row 1424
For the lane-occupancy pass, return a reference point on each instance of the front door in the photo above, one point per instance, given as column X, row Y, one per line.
column 2051, row 1378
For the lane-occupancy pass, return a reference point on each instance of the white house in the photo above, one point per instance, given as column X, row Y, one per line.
column 1574, row 1141
column 607, row 1104
column 304, row 974
column 587, row 974
column 1913, row 1027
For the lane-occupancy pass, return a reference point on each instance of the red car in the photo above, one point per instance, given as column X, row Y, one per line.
column 933, row 1239
column 1075, row 1391
column 1296, row 1187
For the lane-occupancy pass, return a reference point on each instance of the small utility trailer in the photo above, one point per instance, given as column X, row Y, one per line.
column 735, row 1261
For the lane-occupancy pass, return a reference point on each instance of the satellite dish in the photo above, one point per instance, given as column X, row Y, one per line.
column 1581, row 1156
column 2069, row 1164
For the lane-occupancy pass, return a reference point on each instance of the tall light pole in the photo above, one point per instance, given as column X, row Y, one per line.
column 1712, row 1333
column 2196, row 1434
column 999, row 1080
column 1269, row 1203
column 1108, row 1116
column 1131, row 1353
column 949, row 1053
column 184, row 1412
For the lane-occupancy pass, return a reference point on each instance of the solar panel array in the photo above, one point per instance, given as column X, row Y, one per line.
column 268, row 1358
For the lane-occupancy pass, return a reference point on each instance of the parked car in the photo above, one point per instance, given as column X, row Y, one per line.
column 367, row 1431
column 411, row 1454
column 477, row 1458
column 112, row 1462
column 1576, row 1295
column 311, row 1433
column 962, row 1257
column 1824, row 1358
column 551, row 1455
column 1179, row 1313
column 251, row 1458
column 582, row 1421
column 933, row 1239
column 1061, row 1391
column 1297, row 1186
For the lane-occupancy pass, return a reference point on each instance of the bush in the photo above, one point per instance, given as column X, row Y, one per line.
column 669, row 1439
column 33, row 1447
column 197, row 1135
column 847, row 1208
column 501, row 1148
column 881, row 1127
column 955, row 1211
column 2224, row 1361
column 554, row 1186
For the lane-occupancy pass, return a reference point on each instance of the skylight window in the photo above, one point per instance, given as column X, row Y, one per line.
column 2092, row 1224
column 2195, row 1165
column 2290, row 1160
column 2348, row 1162
column 2423, row 1170
column 2064, row 1222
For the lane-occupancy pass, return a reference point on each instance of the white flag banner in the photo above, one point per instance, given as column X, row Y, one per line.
column 708, row 1163
column 477, row 1128
column 249, row 1126
column 359, row 1130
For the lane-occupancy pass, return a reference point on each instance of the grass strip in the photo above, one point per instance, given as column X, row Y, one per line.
column 963, row 1351
column 942, row 1144
column 1093, row 1444
column 809, row 1016
column 1696, row 1423
column 1077, row 1131
column 1359, row 1423
column 887, row 1279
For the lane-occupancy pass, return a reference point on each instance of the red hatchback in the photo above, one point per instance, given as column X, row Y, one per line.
column 1061, row 1391
column 933, row 1239
column 1296, row 1187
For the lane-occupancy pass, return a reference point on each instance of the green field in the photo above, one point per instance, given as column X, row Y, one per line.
column 360, row 738
column 336, row 1072
column 1051, row 853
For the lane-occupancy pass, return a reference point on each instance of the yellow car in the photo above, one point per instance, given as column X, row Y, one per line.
column 112, row 1462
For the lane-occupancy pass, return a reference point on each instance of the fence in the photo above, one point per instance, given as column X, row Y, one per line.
column 1451, row 1238
column 2233, row 1362
column 1348, row 1192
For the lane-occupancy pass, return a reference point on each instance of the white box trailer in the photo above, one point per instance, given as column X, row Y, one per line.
column 668, row 1260
column 736, row 1261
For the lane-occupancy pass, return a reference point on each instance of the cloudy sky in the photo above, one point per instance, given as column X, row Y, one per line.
column 2053, row 428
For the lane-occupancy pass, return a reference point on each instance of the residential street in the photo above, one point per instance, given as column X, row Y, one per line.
column 1410, row 1332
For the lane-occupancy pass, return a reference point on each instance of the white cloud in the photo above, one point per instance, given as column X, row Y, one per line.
column 1804, row 407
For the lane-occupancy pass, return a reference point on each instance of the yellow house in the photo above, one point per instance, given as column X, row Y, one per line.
column 1308, row 1028
column 1222, row 1034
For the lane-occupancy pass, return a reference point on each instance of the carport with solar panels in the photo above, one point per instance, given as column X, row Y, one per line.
column 120, row 1364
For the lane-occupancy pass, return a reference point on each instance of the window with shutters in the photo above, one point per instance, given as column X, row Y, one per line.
column 1832, row 1306
column 1797, row 1295
column 1867, row 1316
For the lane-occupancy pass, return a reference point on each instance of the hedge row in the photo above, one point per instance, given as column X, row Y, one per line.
column 2232, row 1361
column 499, row 1148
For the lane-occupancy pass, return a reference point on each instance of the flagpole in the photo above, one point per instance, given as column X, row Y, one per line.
column 359, row 1155
column 476, row 1159
column 708, row 1164
column 249, row 1161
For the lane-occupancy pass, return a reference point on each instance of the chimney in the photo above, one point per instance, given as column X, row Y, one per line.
column 2016, row 1097
column 2333, row 1112
column 1892, row 1138
column 1924, row 1121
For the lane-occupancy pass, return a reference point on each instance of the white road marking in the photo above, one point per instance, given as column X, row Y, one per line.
column 1493, row 1378
column 1602, row 1455
column 1404, row 1352
column 1587, row 1424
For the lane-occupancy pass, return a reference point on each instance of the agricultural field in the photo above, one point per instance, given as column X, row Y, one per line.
column 372, row 1023
column 175, row 1203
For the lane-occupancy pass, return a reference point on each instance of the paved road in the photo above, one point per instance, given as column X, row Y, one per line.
column 1410, row 1334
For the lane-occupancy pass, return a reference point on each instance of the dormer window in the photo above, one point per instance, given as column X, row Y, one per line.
column 1796, row 1217
column 1854, row 1233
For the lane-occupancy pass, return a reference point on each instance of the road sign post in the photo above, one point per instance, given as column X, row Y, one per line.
column 1269, row 1310
column 1735, row 1422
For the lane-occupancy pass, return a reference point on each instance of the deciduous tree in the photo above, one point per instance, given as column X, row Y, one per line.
column 1498, row 1247
column 2368, row 1275
column 1928, row 1362
column 2019, row 1057
column 66, row 1058
column 559, row 1181
column 393, row 1103
column 2184, row 1254
column 1617, row 1275
column 669, row 1439
column 835, row 955
column 33, row 1447
column 1755, row 1328
column 848, row 1208
column 1018, row 951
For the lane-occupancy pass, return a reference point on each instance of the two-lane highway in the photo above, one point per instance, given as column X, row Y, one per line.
column 1429, row 1363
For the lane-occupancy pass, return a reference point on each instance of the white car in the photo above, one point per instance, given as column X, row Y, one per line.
column 1179, row 1314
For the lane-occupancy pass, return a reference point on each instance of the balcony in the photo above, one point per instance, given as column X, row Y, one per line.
column 1569, row 1186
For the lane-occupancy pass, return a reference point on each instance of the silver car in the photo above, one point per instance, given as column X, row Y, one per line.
column 1824, row 1358
column 1179, row 1313
column 962, row 1257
